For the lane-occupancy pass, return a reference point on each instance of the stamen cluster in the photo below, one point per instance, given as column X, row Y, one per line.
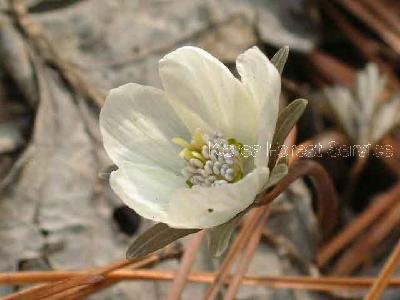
column 210, row 160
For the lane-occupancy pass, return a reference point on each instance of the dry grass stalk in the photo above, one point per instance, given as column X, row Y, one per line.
column 51, row 289
column 381, row 204
column 332, row 69
column 385, row 13
column 393, row 162
column 364, row 247
column 367, row 47
column 84, row 292
column 223, row 272
column 374, row 22
column 80, row 280
column 247, row 256
column 285, row 282
column 185, row 266
column 384, row 277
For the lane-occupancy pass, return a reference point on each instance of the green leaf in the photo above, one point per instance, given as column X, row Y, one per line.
column 220, row 236
column 278, row 172
column 155, row 238
column 286, row 120
column 280, row 58
column 105, row 172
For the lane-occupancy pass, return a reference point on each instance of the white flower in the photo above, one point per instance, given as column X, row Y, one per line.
column 144, row 130
column 363, row 115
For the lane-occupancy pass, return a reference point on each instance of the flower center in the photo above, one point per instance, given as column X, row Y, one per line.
column 211, row 160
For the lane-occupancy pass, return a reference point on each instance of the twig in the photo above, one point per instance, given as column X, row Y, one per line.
column 386, row 13
column 366, row 46
column 331, row 68
column 245, row 260
column 384, row 277
column 363, row 248
column 279, row 282
column 223, row 272
column 83, row 279
column 379, row 205
column 392, row 162
column 376, row 24
column 82, row 292
column 47, row 290
column 185, row 266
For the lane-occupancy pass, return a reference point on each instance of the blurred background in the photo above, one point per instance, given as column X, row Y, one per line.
column 58, row 59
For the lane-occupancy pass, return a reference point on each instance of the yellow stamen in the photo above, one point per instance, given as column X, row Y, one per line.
column 181, row 142
column 210, row 169
column 198, row 140
column 198, row 156
column 186, row 154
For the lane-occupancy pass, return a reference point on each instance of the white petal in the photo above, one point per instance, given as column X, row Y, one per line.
column 137, row 125
column 145, row 189
column 345, row 108
column 202, row 207
column 263, row 83
column 206, row 95
column 386, row 118
column 370, row 85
